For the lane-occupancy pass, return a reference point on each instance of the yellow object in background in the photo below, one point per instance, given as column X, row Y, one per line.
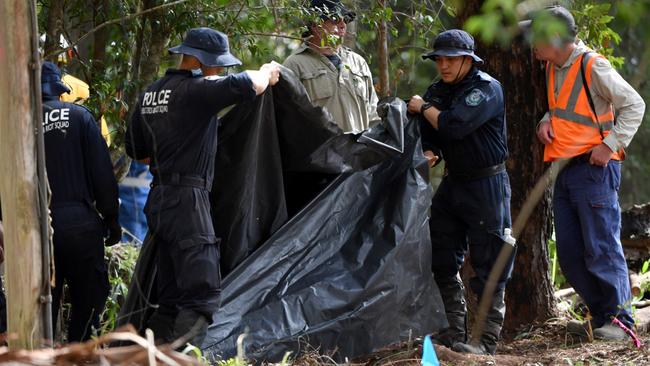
column 106, row 134
column 79, row 90
column 79, row 93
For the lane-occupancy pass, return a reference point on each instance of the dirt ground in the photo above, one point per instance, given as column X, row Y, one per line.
column 546, row 344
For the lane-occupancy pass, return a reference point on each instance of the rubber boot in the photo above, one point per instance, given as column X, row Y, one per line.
column 452, row 292
column 492, row 331
column 162, row 326
column 192, row 326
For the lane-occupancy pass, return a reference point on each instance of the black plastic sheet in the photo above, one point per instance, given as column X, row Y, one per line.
column 325, row 235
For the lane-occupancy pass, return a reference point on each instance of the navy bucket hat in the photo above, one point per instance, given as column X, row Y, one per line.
column 209, row 46
column 51, row 83
column 453, row 43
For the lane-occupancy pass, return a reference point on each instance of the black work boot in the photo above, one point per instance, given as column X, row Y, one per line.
column 162, row 326
column 492, row 330
column 192, row 326
column 452, row 292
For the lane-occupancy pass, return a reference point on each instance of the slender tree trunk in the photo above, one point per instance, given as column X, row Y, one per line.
column 529, row 296
column 382, row 52
column 54, row 27
column 100, row 38
column 136, row 60
column 158, row 39
column 19, row 182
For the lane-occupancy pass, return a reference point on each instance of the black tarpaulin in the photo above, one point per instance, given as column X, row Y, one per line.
column 325, row 235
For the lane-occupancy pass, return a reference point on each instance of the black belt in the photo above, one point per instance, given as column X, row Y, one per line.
column 176, row 179
column 476, row 174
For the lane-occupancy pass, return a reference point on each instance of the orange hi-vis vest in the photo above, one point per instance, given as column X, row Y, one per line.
column 574, row 124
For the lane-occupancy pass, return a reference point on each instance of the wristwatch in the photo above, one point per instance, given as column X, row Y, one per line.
column 425, row 106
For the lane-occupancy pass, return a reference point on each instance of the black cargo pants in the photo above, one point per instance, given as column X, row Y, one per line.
column 188, row 276
column 79, row 262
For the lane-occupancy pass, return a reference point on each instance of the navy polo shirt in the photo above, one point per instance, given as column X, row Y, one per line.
column 79, row 167
column 472, row 124
column 175, row 123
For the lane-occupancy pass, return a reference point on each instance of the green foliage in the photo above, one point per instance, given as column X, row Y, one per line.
column 644, row 286
column 593, row 26
column 196, row 352
column 232, row 362
column 496, row 23
column 121, row 261
column 557, row 278
column 412, row 25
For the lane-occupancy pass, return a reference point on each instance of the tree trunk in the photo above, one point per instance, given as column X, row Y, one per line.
column 133, row 92
column 529, row 295
column 100, row 38
column 54, row 28
column 158, row 39
column 19, row 182
column 382, row 52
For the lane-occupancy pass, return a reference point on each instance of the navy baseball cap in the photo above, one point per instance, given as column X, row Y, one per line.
column 51, row 83
column 453, row 43
column 560, row 13
column 329, row 9
column 209, row 46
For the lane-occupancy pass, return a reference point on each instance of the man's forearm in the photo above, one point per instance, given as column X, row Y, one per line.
column 627, row 103
column 431, row 116
column 627, row 124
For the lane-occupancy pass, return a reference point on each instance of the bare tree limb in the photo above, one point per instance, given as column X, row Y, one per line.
column 114, row 21
column 271, row 35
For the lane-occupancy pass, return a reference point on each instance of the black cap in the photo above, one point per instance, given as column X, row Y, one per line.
column 209, row 46
column 453, row 43
column 51, row 84
column 559, row 13
column 331, row 9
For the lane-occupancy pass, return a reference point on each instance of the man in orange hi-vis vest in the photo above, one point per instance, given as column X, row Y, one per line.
column 593, row 115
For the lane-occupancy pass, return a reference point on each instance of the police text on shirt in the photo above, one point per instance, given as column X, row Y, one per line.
column 155, row 102
column 58, row 119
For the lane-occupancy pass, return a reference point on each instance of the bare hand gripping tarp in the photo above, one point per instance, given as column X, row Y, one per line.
column 325, row 235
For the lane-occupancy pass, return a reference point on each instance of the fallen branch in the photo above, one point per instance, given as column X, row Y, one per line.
column 641, row 304
column 564, row 293
column 96, row 352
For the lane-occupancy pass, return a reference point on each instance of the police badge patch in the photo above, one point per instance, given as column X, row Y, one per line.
column 474, row 98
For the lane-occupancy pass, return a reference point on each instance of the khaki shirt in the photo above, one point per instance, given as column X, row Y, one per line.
column 607, row 88
column 347, row 94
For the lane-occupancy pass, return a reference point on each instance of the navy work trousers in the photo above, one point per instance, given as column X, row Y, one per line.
column 470, row 215
column 188, row 276
column 79, row 262
column 587, row 229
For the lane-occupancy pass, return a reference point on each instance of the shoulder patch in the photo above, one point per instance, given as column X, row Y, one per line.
column 483, row 76
column 474, row 98
column 213, row 77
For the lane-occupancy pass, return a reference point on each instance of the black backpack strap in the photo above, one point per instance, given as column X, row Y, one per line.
column 583, row 63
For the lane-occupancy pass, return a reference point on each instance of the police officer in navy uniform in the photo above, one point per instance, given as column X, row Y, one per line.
column 174, row 129
column 84, row 204
column 463, row 120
